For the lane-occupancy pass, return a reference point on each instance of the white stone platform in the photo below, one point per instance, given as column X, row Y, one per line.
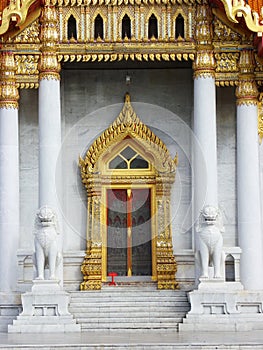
column 45, row 309
column 154, row 340
column 223, row 306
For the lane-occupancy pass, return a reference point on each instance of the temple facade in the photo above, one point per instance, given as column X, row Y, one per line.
column 130, row 139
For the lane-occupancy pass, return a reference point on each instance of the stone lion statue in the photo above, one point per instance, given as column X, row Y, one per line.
column 46, row 245
column 209, row 230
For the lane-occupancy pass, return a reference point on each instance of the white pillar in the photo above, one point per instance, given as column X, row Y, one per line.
column 248, row 181
column 9, row 174
column 49, row 141
column 50, row 120
column 9, row 198
column 205, row 172
column 49, row 147
column 248, row 191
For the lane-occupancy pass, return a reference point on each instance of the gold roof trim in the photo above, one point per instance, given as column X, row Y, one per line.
column 120, row 2
column 15, row 10
column 239, row 8
column 125, row 56
column 127, row 124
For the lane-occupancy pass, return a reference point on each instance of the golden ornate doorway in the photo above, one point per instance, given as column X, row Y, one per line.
column 128, row 173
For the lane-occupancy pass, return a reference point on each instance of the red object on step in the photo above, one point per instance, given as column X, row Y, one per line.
column 112, row 275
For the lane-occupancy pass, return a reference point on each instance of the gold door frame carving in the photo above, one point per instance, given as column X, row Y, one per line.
column 128, row 130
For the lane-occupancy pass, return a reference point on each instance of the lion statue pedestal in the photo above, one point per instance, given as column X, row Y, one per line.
column 45, row 308
column 218, row 305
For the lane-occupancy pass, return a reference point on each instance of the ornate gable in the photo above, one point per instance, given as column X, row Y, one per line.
column 127, row 124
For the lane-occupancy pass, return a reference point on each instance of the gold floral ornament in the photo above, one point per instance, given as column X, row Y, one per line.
column 204, row 65
column 48, row 65
column 247, row 91
column 15, row 11
column 97, row 176
column 9, row 95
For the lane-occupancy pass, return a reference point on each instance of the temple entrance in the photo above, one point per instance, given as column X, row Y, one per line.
column 128, row 173
column 129, row 233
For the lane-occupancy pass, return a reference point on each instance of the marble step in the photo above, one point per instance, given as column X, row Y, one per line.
column 118, row 314
column 121, row 303
column 125, row 291
column 46, row 328
column 4, row 322
column 129, row 309
column 126, row 320
column 128, row 325
column 224, row 327
column 129, row 299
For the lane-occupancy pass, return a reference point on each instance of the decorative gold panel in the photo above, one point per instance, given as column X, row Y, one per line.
column 202, row 28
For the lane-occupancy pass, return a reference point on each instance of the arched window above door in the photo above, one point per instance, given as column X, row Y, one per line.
column 128, row 158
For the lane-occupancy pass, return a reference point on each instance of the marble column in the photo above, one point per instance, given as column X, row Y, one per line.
column 49, row 140
column 205, row 141
column 205, row 144
column 50, row 118
column 9, row 174
column 248, row 178
column 205, row 135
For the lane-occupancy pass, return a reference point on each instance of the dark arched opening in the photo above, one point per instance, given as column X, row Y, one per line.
column 179, row 26
column 72, row 28
column 153, row 27
column 126, row 27
column 98, row 27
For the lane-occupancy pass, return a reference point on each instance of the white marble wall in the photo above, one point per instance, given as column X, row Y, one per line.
column 226, row 131
column 91, row 99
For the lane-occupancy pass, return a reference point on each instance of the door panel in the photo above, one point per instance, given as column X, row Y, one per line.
column 141, row 233
column 129, row 232
column 117, row 231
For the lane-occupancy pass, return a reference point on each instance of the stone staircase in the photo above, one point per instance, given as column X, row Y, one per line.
column 129, row 308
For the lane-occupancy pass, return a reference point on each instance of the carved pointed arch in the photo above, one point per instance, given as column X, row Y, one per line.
column 128, row 155
column 157, row 16
column 102, row 13
column 128, row 125
column 131, row 18
column 72, row 13
column 185, row 18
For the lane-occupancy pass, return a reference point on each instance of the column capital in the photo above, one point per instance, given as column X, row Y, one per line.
column 204, row 65
column 247, row 91
column 9, row 95
column 49, row 66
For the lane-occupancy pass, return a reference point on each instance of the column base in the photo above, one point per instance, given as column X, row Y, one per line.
column 223, row 306
column 45, row 309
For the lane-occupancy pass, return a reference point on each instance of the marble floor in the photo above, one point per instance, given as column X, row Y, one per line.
column 134, row 340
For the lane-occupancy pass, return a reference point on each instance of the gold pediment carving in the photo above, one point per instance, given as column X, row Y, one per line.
column 222, row 32
column 30, row 34
column 127, row 125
